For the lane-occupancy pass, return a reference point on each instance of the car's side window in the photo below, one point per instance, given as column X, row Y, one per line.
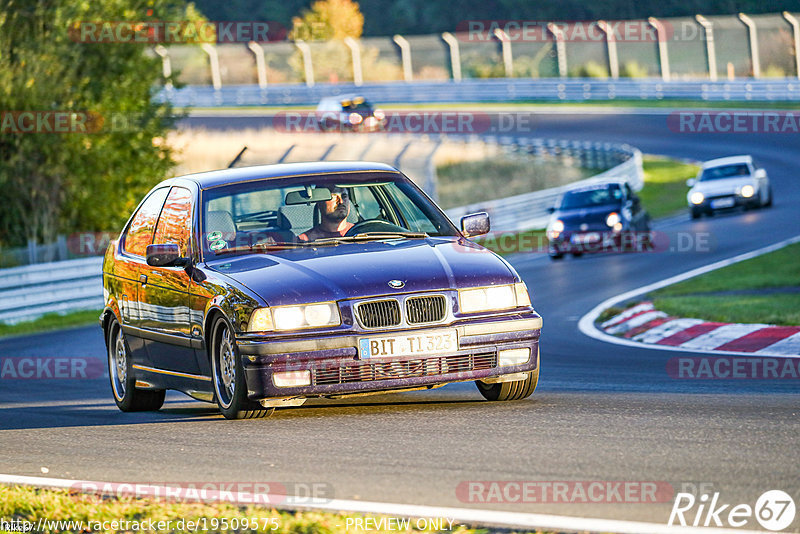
column 174, row 224
column 140, row 232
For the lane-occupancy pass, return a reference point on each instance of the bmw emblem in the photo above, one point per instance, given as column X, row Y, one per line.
column 584, row 227
column 396, row 284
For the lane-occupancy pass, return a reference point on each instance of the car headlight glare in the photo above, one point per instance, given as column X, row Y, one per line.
column 355, row 118
column 378, row 114
column 482, row 299
column 613, row 219
column 260, row 321
column 748, row 191
column 314, row 315
column 697, row 197
column 555, row 229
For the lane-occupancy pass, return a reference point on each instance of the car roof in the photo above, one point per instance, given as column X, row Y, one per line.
column 339, row 98
column 730, row 160
column 210, row 179
column 597, row 185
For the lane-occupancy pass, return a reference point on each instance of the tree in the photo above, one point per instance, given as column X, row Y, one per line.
column 328, row 19
column 92, row 177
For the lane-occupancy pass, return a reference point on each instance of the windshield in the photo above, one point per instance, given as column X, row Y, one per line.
column 726, row 171
column 586, row 198
column 297, row 212
column 356, row 104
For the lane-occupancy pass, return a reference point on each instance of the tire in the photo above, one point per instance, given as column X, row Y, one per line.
column 510, row 391
column 694, row 213
column 768, row 203
column 123, row 381
column 577, row 254
column 227, row 375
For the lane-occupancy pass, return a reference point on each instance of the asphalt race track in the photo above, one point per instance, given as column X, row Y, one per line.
column 602, row 412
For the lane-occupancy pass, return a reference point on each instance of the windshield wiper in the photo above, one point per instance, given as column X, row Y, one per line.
column 268, row 246
column 373, row 236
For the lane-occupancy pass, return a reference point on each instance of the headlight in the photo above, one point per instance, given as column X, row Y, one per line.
column 355, row 118
column 556, row 227
column 612, row 219
column 697, row 197
column 480, row 299
column 748, row 191
column 380, row 115
column 295, row 317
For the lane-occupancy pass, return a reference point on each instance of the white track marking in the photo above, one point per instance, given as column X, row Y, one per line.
column 630, row 312
column 460, row 515
column 587, row 326
column 665, row 330
column 639, row 320
column 787, row 346
column 721, row 335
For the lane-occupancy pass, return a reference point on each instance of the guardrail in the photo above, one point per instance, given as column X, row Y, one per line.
column 34, row 290
column 528, row 211
column 29, row 292
column 490, row 90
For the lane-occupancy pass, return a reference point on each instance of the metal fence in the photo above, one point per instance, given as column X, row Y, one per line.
column 721, row 47
column 31, row 291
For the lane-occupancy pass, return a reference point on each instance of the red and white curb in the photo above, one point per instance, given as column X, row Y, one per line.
column 458, row 515
column 645, row 324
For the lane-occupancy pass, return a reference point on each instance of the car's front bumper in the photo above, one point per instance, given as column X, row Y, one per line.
column 605, row 240
column 336, row 368
column 725, row 202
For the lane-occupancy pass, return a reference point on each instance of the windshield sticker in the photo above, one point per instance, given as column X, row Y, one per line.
column 214, row 236
column 217, row 245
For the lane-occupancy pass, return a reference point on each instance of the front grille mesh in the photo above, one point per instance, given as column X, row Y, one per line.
column 369, row 371
column 425, row 309
column 379, row 313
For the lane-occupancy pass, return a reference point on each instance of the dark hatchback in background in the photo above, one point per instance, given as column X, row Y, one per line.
column 216, row 288
column 349, row 113
column 603, row 217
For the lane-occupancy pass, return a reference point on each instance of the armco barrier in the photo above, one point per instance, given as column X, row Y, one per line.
column 31, row 291
column 491, row 90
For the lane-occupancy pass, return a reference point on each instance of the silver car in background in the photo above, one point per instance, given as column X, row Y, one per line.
column 727, row 183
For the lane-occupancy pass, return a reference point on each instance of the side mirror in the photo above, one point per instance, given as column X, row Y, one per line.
column 690, row 182
column 551, row 209
column 760, row 173
column 475, row 224
column 168, row 255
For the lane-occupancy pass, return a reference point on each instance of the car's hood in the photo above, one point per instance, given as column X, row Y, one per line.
column 726, row 186
column 591, row 216
column 364, row 269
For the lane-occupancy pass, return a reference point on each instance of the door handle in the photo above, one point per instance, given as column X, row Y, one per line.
column 143, row 279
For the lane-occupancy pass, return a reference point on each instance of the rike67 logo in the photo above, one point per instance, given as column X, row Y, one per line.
column 774, row 510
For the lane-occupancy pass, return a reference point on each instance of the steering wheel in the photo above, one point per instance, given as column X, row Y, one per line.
column 374, row 225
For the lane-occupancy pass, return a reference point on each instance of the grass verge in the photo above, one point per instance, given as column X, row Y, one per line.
column 700, row 297
column 664, row 191
column 32, row 504
column 51, row 321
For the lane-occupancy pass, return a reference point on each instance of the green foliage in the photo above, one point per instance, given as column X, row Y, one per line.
column 328, row 19
column 590, row 69
column 664, row 191
column 62, row 182
column 632, row 69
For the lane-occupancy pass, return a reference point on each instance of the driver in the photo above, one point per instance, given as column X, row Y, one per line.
column 333, row 216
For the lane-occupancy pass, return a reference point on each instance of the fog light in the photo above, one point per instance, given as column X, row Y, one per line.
column 292, row 379
column 513, row 357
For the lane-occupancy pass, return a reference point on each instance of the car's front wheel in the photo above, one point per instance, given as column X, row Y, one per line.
column 123, row 382
column 230, row 389
column 509, row 391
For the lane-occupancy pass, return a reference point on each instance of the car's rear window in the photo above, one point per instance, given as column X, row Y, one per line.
column 725, row 171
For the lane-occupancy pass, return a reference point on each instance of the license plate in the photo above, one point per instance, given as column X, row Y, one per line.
column 722, row 203
column 580, row 239
column 409, row 344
